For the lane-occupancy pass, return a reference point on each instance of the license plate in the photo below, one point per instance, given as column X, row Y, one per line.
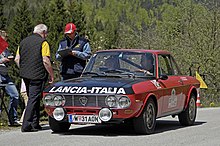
column 84, row 119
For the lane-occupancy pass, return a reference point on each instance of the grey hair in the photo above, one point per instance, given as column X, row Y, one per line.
column 40, row 28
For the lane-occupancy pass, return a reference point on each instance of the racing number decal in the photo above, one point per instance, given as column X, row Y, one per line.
column 156, row 84
column 172, row 102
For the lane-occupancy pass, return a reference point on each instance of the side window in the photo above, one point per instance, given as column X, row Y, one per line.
column 165, row 66
column 176, row 70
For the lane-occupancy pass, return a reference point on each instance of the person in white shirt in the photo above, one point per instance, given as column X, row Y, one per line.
column 23, row 93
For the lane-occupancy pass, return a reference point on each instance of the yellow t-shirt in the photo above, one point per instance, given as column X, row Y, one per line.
column 45, row 49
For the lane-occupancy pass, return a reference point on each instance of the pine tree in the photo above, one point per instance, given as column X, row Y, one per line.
column 21, row 26
column 77, row 16
column 57, row 20
column 56, row 23
column 2, row 17
column 18, row 30
column 42, row 14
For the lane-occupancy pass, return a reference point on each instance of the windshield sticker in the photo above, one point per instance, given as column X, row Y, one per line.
column 156, row 84
column 85, row 90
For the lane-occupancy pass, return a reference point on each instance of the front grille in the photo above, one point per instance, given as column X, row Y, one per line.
column 92, row 100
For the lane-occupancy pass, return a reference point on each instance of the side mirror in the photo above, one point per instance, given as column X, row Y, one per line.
column 163, row 77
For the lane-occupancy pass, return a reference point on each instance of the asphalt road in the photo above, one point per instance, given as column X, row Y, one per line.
column 205, row 132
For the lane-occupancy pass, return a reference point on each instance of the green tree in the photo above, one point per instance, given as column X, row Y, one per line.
column 57, row 20
column 42, row 14
column 20, row 28
column 76, row 15
column 2, row 17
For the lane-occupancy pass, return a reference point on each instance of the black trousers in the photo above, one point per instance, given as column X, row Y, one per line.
column 32, row 113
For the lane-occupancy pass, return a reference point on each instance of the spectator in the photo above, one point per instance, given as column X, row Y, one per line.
column 73, row 63
column 33, row 58
column 11, row 90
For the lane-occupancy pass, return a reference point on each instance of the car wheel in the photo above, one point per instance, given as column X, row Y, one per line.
column 187, row 117
column 146, row 122
column 57, row 126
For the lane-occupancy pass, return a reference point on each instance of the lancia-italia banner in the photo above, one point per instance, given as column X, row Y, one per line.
column 85, row 90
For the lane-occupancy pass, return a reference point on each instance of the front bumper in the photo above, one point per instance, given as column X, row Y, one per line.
column 118, row 115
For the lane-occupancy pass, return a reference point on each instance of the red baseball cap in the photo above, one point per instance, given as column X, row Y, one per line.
column 3, row 45
column 69, row 28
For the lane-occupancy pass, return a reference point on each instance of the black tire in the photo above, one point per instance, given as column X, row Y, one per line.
column 58, row 126
column 146, row 122
column 187, row 117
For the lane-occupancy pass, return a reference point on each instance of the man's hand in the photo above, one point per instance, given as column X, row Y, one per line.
column 4, row 60
column 73, row 53
column 17, row 59
column 51, row 80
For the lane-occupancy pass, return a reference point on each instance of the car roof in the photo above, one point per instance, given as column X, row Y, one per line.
column 136, row 50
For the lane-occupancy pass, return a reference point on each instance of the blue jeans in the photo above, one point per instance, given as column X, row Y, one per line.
column 12, row 91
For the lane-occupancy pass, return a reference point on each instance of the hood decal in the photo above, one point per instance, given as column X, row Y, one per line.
column 86, row 90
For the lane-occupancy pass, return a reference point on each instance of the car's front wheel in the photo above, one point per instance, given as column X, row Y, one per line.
column 187, row 117
column 58, row 126
column 146, row 122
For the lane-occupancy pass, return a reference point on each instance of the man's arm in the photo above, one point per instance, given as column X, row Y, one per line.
column 146, row 72
column 58, row 57
column 48, row 66
column 17, row 59
column 86, row 54
column 46, row 60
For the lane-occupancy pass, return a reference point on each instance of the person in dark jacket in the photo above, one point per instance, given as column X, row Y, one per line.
column 74, row 61
column 33, row 58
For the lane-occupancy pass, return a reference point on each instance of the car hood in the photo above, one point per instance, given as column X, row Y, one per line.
column 94, row 86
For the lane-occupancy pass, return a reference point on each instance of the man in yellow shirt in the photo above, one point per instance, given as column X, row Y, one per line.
column 45, row 50
column 33, row 58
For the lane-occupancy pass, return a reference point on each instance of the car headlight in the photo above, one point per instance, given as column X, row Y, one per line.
column 111, row 101
column 124, row 102
column 58, row 114
column 59, row 100
column 105, row 114
column 48, row 100
column 54, row 100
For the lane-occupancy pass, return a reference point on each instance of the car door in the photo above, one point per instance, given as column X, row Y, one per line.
column 173, row 97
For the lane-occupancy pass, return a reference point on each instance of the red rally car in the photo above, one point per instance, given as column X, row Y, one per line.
column 123, row 84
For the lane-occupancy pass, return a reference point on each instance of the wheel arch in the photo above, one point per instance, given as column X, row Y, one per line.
column 153, row 97
column 193, row 90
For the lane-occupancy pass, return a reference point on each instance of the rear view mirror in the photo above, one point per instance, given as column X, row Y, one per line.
column 163, row 77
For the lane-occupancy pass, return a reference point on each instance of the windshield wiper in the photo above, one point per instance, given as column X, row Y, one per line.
column 123, row 72
column 102, row 74
column 94, row 73
column 114, row 71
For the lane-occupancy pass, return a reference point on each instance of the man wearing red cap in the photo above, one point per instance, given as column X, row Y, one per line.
column 73, row 62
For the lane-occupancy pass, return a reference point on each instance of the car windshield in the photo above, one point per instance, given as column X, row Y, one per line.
column 118, row 63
